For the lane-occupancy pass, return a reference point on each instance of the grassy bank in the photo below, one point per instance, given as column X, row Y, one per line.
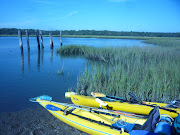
column 164, row 42
column 151, row 73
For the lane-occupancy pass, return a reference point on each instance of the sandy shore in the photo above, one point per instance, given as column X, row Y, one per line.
column 35, row 121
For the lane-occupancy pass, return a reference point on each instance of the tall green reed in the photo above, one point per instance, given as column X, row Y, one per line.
column 153, row 74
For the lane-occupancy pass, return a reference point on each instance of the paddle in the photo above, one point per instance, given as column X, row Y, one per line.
column 154, row 105
column 100, row 110
column 96, row 94
column 134, row 97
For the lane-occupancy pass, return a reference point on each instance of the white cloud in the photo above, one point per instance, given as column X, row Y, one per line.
column 72, row 13
column 67, row 15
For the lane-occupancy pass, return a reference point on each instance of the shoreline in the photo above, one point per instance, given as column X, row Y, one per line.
column 34, row 121
column 89, row 36
column 98, row 36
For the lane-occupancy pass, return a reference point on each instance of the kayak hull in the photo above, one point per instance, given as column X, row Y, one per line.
column 86, row 125
column 124, row 106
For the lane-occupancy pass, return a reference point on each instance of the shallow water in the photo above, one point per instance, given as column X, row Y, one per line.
column 28, row 74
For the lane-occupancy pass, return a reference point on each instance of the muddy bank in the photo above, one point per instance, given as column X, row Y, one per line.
column 36, row 121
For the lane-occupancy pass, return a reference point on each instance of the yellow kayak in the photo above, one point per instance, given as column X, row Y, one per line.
column 90, row 120
column 143, row 109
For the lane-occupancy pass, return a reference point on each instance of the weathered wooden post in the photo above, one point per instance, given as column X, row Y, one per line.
column 20, row 39
column 27, row 37
column 61, row 37
column 37, row 37
column 40, row 32
column 51, row 40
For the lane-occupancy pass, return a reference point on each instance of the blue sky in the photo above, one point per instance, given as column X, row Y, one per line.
column 115, row 15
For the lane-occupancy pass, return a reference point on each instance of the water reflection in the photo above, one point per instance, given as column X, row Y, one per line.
column 22, row 61
column 38, row 61
column 51, row 55
column 29, row 59
column 39, row 58
column 42, row 53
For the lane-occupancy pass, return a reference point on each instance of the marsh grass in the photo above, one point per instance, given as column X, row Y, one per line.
column 164, row 42
column 153, row 74
column 149, row 83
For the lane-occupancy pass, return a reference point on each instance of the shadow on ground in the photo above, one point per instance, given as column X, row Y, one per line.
column 36, row 121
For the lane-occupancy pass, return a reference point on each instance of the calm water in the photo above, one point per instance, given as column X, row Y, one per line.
column 32, row 73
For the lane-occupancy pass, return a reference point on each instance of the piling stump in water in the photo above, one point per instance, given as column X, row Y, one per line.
column 20, row 39
column 37, row 37
column 40, row 32
column 61, row 38
column 27, row 37
column 51, row 40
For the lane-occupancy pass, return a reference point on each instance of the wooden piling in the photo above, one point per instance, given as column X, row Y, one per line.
column 51, row 40
column 61, row 37
column 40, row 32
column 37, row 37
column 20, row 39
column 27, row 37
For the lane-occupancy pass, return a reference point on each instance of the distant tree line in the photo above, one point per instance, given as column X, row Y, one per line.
column 14, row 31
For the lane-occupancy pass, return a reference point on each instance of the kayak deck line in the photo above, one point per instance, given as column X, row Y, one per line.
column 89, row 120
column 74, row 121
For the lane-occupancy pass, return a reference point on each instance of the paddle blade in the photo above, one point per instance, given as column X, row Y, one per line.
column 96, row 94
column 133, row 96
